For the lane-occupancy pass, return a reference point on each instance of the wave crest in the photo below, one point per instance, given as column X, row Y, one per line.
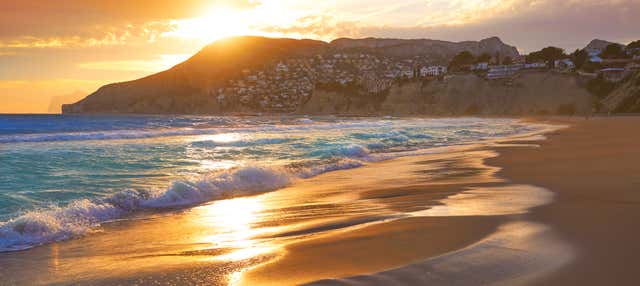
column 81, row 216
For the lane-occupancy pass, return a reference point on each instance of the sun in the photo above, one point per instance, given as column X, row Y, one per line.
column 217, row 23
column 220, row 22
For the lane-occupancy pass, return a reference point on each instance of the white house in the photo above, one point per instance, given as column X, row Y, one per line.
column 280, row 67
column 539, row 65
column 433, row 71
column 613, row 74
column 481, row 66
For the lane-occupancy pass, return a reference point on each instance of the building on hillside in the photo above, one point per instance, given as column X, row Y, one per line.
column 538, row 65
column 281, row 67
column 613, row 74
column 593, row 52
column 503, row 71
column 595, row 59
column 564, row 64
column 434, row 71
column 481, row 66
column 407, row 72
column 616, row 62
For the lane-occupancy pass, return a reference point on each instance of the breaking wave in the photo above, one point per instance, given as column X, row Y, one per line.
column 38, row 227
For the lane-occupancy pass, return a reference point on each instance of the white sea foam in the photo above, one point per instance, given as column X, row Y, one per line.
column 81, row 216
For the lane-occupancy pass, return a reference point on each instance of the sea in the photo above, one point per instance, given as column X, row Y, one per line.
column 63, row 175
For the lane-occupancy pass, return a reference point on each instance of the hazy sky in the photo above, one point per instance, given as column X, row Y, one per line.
column 66, row 48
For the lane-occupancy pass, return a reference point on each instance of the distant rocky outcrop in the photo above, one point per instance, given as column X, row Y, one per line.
column 421, row 47
column 596, row 46
column 56, row 102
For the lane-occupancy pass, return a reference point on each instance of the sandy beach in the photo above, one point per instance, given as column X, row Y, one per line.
column 559, row 211
column 592, row 167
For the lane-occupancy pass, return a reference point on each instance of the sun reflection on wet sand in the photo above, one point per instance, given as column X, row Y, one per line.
column 232, row 219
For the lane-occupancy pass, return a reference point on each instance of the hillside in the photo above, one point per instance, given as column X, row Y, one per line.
column 596, row 46
column 240, row 74
column 625, row 98
column 530, row 94
column 183, row 88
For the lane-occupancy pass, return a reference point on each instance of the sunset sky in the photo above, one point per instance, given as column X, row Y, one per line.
column 65, row 49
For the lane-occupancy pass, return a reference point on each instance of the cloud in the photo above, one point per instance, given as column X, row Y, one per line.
column 37, row 23
column 323, row 27
column 530, row 25
column 159, row 63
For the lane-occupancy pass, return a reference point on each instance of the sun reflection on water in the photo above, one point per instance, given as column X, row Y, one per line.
column 221, row 138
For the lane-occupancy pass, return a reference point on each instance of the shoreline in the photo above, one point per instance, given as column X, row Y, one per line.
column 377, row 223
column 340, row 205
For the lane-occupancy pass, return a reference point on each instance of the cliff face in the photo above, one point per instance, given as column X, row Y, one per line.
column 433, row 48
column 597, row 46
column 626, row 97
column 531, row 93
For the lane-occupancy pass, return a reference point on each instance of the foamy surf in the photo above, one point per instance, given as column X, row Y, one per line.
column 79, row 217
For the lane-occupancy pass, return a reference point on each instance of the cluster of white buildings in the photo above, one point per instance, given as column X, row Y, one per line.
column 433, row 71
column 284, row 85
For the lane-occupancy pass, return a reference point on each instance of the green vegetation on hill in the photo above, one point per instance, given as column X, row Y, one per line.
column 461, row 61
column 579, row 58
column 613, row 51
column 548, row 55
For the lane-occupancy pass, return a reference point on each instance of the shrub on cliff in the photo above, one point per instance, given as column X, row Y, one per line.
column 548, row 55
column 566, row 109
column 613, row 51
column 461, row 61
column 600, row 88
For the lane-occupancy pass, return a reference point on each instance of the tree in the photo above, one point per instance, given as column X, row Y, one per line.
column 548, row 55
column 634, row 45
column 591, row 66
column 613, row 51
column 483, row 58
column 507, row 60
column 461, row 60
column 579, row 58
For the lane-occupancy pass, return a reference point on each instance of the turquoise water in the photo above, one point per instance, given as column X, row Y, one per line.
column 61, row 176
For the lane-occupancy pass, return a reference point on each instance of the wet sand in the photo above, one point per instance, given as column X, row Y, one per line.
column 594, row 169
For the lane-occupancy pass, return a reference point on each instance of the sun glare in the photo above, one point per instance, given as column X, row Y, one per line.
column 222, row 22
column 216, row 24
